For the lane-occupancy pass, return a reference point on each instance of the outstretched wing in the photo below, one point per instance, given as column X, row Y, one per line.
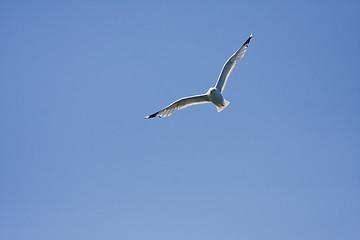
column 230, row 64
column 179, row 104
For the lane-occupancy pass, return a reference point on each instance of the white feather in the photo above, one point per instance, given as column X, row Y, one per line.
column 230, row 64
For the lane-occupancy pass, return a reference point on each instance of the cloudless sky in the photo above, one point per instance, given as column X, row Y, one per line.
column 79, row 161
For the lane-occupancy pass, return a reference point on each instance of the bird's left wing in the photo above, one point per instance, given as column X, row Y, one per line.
column 179, row 104
column 230, row 64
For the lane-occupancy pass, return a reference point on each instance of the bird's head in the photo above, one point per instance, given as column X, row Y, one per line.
column 211, row 90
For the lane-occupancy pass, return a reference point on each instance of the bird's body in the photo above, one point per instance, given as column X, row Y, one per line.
column 214, row 94
column 217, row 99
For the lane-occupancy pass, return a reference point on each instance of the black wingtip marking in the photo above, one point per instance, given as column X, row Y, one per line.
column 248, row 40
column 152, row 115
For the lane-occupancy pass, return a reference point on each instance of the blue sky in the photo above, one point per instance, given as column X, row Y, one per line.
column 79, row 161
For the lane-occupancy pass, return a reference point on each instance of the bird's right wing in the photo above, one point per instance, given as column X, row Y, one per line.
column 179, row 104
column 230, row 64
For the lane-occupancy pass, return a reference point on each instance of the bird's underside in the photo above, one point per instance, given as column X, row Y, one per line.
column 214, row 94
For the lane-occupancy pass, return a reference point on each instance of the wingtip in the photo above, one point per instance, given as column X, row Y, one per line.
column 251, row 34
column 248, row 40
column 152, row 115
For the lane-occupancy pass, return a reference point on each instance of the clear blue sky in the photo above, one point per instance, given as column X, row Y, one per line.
column 79, row 161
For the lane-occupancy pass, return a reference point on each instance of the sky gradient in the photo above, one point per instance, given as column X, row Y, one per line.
column 78, row 160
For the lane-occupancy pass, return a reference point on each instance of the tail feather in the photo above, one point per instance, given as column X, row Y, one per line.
column 220, row 108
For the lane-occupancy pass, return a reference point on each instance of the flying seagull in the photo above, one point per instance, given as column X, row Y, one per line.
column 214, row 94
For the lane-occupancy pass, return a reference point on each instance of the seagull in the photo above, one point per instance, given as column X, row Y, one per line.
column 214, row 94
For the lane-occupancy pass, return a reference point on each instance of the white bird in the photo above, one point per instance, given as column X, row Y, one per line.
column 214, row 94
